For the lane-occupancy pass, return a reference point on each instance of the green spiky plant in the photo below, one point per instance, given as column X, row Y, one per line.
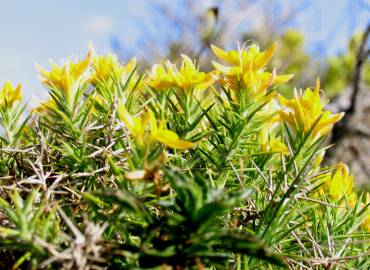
column 174, row 168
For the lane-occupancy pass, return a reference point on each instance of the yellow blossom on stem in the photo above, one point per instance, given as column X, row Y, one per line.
column 366, row 222
column 304, row 111
column 136, row 125
column 107, row 68
column 10, row 95
column 159, row 78
column 45, row 107
column 161, row 134
column 339, row 184
column 269, row 143
column 67, row 77
column 318, row 159
column 145, row 129
column 247, row 68
column 187, row 77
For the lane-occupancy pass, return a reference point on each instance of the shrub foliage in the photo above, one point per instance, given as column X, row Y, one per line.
column 174, row 168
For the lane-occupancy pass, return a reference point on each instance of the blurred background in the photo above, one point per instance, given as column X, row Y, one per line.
column 311, row 30
column 315, row 38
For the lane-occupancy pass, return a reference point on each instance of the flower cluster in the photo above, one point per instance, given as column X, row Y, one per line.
column 339, row 184
column 186, row 78
column 305, row 113
column 66, row 78
column 107, row 69
column 146, row 130
column 180, row 167
column 247, row 69
column 10, row 95
column 246, row 73
column 269, row 142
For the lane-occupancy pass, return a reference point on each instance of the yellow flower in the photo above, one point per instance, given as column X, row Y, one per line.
column 106, row 69
column 303, row 111
column 161, row 134
column 247, row 68
column 10, row 95
column 46, row 106
column 366, row 222
column 318, row 160
column 187, row 78
column 66, row 78
column 137, row 126
column 269, row 143
column 159, row 78
column 129, row 73
column 339, row 184
column 145, row 129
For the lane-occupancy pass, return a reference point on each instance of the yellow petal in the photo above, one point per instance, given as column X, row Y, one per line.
column 264, row 57
column 44, row 107
column 172, row 140
column 16, row 95
column 230, row 57
column 284, row 101
column 43, row 72
column 222, row 68
column 153, row 124
column 80, row 67
column 283, row 78
column 317, row 88
column 124, row 116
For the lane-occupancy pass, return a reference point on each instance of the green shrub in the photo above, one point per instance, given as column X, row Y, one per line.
column 174, row 168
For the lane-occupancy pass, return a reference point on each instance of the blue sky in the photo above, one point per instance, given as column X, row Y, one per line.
column 38, row 30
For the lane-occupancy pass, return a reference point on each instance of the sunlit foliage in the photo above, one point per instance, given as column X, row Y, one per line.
column 175, row 168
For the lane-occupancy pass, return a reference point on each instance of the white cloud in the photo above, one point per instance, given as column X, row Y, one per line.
column 98, row 25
